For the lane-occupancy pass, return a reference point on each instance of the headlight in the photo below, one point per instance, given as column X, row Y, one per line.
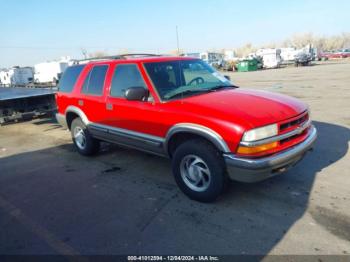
column 260, row 133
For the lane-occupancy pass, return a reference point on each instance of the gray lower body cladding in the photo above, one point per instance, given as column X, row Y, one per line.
column 240, row 169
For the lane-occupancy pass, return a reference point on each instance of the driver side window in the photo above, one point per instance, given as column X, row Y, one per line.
column 165, row 76
column 126, row 76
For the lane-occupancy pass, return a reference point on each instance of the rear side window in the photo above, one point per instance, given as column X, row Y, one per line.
column 95, row 80
column 69, row 78
column 126, row 76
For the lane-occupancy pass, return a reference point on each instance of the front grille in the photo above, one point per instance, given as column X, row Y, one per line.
column 292, row 137
column 294, row 122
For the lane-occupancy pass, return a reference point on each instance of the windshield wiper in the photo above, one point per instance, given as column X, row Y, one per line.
column 218, row 87
column 196, row 91
column 187, row 92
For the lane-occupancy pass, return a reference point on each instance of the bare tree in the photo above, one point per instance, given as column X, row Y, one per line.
column 98, row 54
column 176, row 52
column 301, row 40
column 245, row 50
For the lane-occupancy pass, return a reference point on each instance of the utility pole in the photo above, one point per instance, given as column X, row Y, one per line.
column 177, row 41
column 84, row 52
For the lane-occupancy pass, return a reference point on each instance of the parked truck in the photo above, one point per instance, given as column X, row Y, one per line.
column 16, row 76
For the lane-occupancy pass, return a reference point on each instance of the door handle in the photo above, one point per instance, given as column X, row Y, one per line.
column 109, row 106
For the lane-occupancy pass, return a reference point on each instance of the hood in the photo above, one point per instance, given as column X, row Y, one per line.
column 249, row 108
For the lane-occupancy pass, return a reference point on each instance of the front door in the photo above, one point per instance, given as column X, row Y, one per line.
column 132, row 123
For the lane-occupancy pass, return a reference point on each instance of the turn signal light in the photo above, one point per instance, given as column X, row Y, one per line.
column 256, row 149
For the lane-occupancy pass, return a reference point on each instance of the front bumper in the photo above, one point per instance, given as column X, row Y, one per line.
column 254, row 170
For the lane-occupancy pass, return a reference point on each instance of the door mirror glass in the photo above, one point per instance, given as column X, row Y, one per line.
column 137, row 93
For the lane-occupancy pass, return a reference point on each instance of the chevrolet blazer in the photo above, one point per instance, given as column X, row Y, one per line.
column 181, row 108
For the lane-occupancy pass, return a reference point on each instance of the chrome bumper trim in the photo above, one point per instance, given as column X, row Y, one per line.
column 262, row 168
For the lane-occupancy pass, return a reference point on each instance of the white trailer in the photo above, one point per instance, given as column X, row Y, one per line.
column 288, row 54
column 49, row 72
column 16, row 76
column 211, row 58
column 5, row 77
column 271, row 57
column 229, row 56
column 196, row 55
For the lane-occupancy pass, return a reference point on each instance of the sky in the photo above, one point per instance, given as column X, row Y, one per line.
column 34, row 31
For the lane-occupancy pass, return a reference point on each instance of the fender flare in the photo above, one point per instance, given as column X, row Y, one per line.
column 79, row 112
column 200, row 130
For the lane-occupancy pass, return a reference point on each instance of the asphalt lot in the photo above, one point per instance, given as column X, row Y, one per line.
column 54, row 201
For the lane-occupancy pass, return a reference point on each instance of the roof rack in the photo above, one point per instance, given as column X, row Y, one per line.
column 114, row 57
column 86, row 60
column 140, row 54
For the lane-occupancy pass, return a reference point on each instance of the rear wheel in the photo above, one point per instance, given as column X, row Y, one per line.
column 83, row 141
column 199, row 170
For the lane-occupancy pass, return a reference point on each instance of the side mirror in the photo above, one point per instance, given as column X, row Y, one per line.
column 227, row 77
column 137, row 93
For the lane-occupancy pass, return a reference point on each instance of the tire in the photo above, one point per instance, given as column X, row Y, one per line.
column 84, row 143
column 191, row 162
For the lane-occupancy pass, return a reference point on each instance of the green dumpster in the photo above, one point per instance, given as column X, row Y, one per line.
column 247, row 65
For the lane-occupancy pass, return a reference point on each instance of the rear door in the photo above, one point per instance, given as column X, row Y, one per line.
column 92, row 93
column 65, row 95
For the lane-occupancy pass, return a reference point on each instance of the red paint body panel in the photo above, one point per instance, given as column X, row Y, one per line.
column 331, row 55
column 228, row 112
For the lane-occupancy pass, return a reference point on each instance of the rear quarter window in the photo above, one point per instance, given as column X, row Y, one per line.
column 94, row 82
column 69, row 78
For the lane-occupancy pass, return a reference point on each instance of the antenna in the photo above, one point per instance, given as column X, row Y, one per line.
column 177, row 41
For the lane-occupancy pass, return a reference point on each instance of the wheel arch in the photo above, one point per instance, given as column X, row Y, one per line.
column 73, row 112
column 182, row 132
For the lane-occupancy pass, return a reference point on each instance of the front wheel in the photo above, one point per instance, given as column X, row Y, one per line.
column 199, row 170
column 83, row 141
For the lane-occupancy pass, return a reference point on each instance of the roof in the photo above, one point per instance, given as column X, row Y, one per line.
column 158, row 58
column 134, row 58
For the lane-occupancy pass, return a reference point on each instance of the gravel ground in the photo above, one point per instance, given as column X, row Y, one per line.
column 54, row 201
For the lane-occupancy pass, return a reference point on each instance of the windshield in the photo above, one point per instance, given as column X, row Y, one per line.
column 174, row 79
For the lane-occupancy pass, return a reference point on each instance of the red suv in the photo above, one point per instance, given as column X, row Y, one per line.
column 181, row 108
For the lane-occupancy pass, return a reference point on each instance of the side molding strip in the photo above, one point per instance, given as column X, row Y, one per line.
column 129, row 134
column 156, row 141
